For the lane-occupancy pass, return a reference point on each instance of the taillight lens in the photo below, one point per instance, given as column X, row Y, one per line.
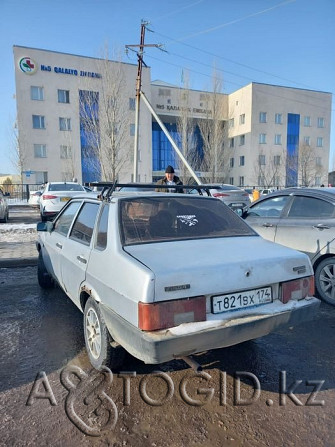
column 220, row 194
column 47, row 197
column 297, row 289
column 165, row 314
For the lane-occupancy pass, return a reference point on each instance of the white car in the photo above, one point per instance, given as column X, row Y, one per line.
column 4, row 213
column 34, row 198
column 165, row 276
column 55, row 195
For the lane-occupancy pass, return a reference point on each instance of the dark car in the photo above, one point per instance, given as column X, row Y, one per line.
column 303, row 219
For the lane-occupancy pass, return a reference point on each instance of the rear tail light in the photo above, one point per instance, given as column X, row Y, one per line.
column 166, row 314
column 297, row 289
column 47, row 197
column 220, row 194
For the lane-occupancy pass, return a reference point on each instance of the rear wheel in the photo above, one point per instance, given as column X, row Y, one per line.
column 98, row 339
column 44, row 279
column 325, row 280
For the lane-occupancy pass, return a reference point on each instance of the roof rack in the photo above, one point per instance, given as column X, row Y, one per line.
column 108, row 188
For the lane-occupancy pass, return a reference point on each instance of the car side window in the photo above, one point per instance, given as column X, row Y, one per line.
column 101, row 241
column 310, row 207
column 82, row 229
column 63, row 223
column 272, row 207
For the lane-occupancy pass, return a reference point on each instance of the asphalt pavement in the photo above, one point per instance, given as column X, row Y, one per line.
column 17, row 244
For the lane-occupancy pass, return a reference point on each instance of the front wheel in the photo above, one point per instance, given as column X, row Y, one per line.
column 44, row 279
column 325, row 280
column 98, row 339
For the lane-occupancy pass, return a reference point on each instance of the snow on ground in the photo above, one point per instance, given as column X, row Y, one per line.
column 18, row 232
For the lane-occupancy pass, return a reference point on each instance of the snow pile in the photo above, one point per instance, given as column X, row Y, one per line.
column 18, row 232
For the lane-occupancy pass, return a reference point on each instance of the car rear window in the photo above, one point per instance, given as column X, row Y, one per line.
column 144, row 220
column 65, row 187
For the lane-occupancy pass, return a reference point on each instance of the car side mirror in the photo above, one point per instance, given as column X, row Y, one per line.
column 45, row 226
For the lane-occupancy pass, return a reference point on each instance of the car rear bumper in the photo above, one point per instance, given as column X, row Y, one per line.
column 162, row 346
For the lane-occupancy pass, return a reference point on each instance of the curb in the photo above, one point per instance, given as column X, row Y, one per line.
column 18, row 262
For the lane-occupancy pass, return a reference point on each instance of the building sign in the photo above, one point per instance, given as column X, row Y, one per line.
column 28, row 65
column 176, row 108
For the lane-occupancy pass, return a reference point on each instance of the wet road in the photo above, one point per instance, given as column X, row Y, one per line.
column 50, row 396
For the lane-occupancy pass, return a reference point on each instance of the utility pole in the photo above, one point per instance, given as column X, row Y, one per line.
column 140, row 64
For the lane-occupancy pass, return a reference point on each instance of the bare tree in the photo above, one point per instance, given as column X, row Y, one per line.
column 308, row 168
column 270, row 169
column 18, row 150
column 215, row 159
column 105, row 121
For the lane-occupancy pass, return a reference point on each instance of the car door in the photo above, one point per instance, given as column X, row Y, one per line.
column 76, row 251
column 54, row 241
column 309, row 225
column 264, row 216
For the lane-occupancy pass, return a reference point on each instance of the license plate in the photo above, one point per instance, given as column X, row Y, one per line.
column 237, row 205
column 65, row 199
column 239, row 300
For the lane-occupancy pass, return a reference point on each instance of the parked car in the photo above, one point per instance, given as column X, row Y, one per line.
column 4, row 211
column 303, row 219
column 233, row 196
column 55, row 195
column 169, row 275
column 266, row 191
column 34, row 198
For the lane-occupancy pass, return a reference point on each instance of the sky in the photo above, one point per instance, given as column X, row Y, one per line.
column 279, row 42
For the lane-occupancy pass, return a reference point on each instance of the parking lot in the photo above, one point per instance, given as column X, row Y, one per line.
column 274, row 391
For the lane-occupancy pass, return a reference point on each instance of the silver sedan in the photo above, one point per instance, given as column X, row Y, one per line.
column 303, row 219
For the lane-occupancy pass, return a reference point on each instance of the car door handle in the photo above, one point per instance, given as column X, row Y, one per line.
column 321, row 227
column 58, row 245
column 81, row 259
column 267, row 225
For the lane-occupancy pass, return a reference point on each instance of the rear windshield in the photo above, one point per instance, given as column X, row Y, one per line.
column 151, row 219
column 65, row 187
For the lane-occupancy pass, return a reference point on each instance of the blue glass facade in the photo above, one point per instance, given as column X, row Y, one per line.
column 163, row 153
column 89, row 109
column 292, row 147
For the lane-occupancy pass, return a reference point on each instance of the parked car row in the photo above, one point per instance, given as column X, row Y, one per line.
column 165, row 276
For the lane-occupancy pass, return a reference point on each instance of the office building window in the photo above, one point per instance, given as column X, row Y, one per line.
column 64, row 123
column 41, row 177
column 318, row 161
column 40, row 150
column 261, row 160
column 307, row 121
column 242, row 140
column 38, row 122
column 278, row 118
column 319, row 142
column 317, row 181
column 231, row 162
column 278, row 139
column 276, row 160
column 231, row 122
column 65, row 152
column 262, row 117
column 64, row 96
column 307, row 141
column 132, row 103
column 242, row 118
column 241, row 181
column 321, row 122
column 37, row 93
column 261, row 180
column 242, row 160
column 231, row 180
column 231, row 142
column 262, row 138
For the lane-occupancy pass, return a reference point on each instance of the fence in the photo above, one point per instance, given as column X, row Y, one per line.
column 20, row 192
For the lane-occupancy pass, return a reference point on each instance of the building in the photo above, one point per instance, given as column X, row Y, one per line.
column 271, row 135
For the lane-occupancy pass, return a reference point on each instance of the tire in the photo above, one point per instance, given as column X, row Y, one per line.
column 44, row 279
column 98, row 339
column 325, row 280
